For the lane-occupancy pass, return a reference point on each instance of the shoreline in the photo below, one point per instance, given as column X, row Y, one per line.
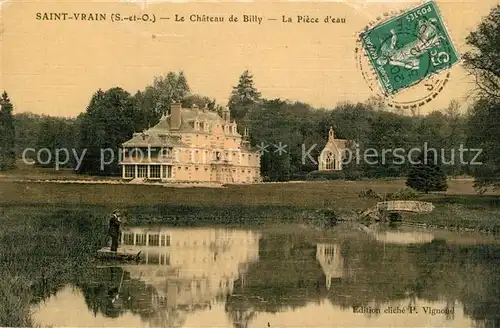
column 459, row 209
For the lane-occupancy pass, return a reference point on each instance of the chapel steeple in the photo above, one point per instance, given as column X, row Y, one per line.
column 331, row 134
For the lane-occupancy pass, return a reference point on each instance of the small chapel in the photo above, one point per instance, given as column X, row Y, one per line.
column 330, row 158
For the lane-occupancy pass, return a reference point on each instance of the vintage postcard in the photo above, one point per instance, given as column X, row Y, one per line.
column 250, row 164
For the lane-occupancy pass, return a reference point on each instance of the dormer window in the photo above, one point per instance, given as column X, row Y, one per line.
column 196, row 125
column 206, row 126
column 202, row 126
column 226, row 129
column 234, row 128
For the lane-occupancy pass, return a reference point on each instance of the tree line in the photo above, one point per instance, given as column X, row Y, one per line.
column 113, row 115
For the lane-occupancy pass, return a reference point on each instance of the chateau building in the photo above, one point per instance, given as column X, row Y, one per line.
column 330, row 158
column 191, row 145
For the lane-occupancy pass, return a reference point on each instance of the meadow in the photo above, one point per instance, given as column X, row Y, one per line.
column 459, row 206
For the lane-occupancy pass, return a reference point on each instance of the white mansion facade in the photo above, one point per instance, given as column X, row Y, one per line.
column 191, row 145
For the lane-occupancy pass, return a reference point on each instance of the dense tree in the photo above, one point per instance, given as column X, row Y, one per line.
column 58, row 136
column 107, row 123
column 483, row 134
column 7, row 134
column 165, row 90
column 483, row 131
column 200, row 101
column 27, row 126
column 427, row 175
column 244, row 97
column 484, row 58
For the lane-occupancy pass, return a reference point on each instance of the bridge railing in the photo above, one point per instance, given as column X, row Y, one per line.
column 405, row 206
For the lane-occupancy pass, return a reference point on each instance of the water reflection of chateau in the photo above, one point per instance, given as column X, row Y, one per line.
column 331, row 261
column 191, row 267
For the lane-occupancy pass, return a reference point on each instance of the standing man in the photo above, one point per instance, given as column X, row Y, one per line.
column 114, row 230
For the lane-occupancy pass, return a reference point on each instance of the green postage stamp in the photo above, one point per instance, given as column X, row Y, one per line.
column 408, row 48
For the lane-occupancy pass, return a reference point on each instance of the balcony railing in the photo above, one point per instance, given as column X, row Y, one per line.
column 146, row 159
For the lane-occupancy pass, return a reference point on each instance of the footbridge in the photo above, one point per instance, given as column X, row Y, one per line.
column 408, row 206
column 394, row 209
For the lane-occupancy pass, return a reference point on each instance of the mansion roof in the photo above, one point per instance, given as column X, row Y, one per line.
column 148, row 138
column 188, row 117
column 166, row 134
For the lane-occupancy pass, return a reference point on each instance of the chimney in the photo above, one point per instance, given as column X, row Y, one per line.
column 175, row 115
column 226, row 114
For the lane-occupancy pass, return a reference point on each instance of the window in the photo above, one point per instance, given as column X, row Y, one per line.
column 154, row 258
column 167, row 171
column 154, row 171
column 140, row 240
column 154, row 240
column 166, row 152
column 165, row 259
column 330, row 161
column 142, row 171
column 129, row 171
column 128, row 239
column 167, row 240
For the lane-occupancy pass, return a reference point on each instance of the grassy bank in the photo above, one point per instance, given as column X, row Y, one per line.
column 460, row 206
column 41, row 251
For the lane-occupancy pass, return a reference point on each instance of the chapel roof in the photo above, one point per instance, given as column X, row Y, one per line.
column 332, row 141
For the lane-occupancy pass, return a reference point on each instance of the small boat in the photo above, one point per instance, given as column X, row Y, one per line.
column 126, row 254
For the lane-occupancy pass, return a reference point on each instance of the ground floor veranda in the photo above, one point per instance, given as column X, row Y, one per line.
column 195, row 173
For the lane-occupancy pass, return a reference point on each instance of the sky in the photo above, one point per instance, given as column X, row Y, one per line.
column 54, row 67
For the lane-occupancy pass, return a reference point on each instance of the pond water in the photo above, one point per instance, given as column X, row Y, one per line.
column 212, row 277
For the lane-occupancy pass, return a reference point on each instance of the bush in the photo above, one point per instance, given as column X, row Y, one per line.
column 402, row 194
column 325, row 175
column 299, row 176
column 354, row 175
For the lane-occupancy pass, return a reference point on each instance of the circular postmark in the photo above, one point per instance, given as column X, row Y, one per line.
column 405, row 58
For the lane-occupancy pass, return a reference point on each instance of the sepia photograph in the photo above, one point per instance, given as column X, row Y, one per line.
column 250, row 164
